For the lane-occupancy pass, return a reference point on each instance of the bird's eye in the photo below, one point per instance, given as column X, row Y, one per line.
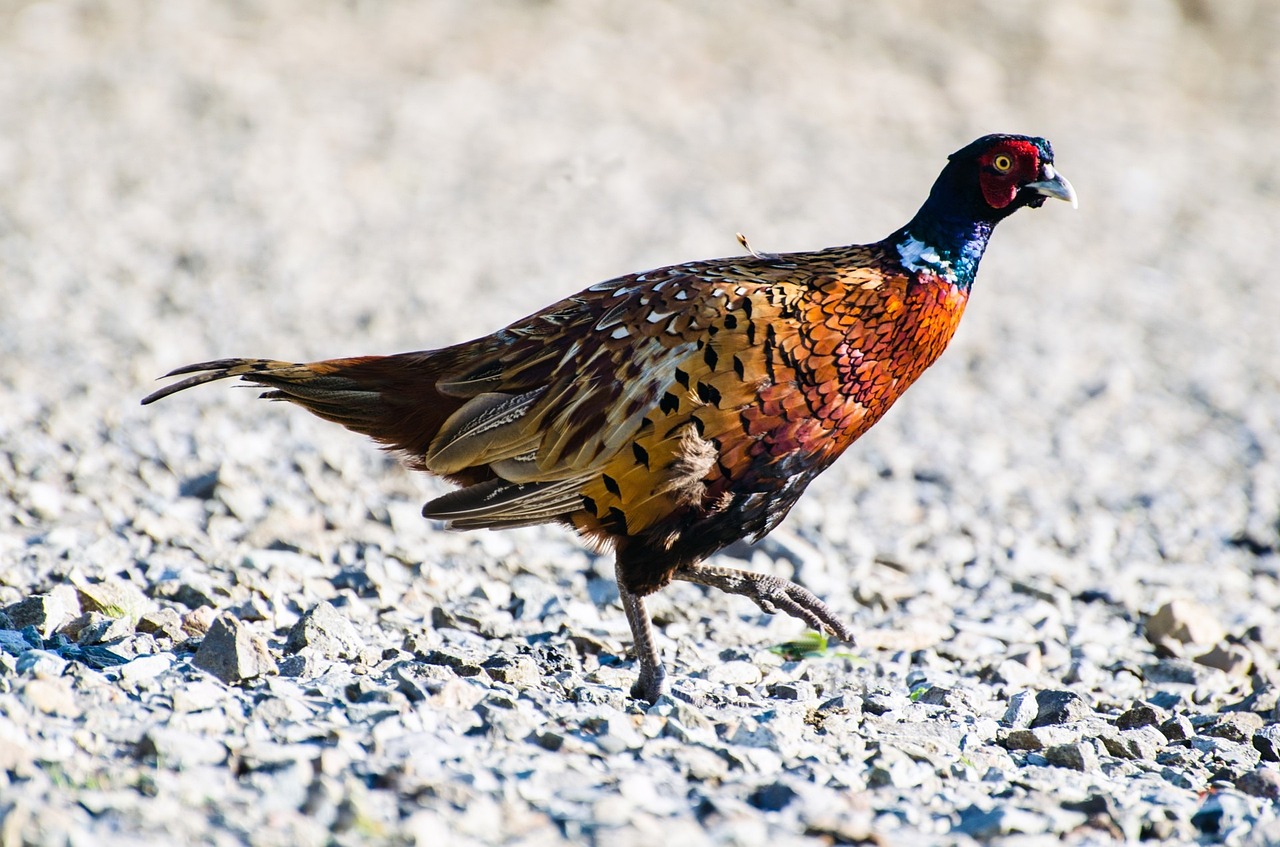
column 1002, row 163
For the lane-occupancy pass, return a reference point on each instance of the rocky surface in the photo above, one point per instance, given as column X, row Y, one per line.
column 225, row 622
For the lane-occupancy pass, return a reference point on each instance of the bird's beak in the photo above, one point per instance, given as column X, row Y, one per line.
column 1054, row 184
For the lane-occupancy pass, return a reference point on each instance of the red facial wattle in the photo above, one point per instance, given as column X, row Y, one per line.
column 999, row 187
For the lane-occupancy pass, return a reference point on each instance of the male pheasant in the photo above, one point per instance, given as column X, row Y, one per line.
column 669, row 413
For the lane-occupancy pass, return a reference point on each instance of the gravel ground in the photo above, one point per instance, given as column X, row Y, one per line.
column 225, row 622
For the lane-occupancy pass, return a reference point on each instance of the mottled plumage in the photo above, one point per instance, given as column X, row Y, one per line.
column 669, row 413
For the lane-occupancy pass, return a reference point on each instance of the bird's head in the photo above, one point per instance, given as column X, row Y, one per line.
column 999, row 174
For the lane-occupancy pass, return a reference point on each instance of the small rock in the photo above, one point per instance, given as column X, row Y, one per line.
column 196, row 622
column 46, row 612
column 232, row 653
column 615, row 733
column 1081, row 756
column 97, row 628
column 1041, row 737
column 114, row 599
column 794, row 690
column 463, row 664
column 325, row 632
column 1181, row 672
column 1261, row 782
column 841, row 704
column 1267, row 742
column 1186, row 621
column 146, row 667
column 1177, row 728
column 163, row 622
column 12, row 642
column 521, row 671
column 1022, row 710
column 1220, row 812
column 418, row 681
column 1227, row 759
column 198, row 696
column 1140, row 715
column 178, row 750
column 1141, row 743
column 1228, row 658
column 51, row 696
column 773, row 797
column 883, row 701
column 737, row 672
column 1058, row 707
column 1002, row 820
column 41, row 664
column 1233, row 726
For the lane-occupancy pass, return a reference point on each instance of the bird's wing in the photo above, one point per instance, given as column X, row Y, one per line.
column 567, row 391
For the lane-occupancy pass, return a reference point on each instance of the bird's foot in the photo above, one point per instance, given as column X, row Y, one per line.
column 772, row 595
column 651, row 684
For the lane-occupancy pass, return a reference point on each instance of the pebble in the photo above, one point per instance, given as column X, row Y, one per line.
column 1231, row 659
column 1080, row 756
column 325, row 632
column 1059, row 707
column 46, row 612
column 1185, row 621
column 231, row 652
column 1021, row 711
column 1143, row 743
column 1261, row 782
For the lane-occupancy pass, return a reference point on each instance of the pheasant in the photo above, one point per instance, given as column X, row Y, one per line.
column 668, row 413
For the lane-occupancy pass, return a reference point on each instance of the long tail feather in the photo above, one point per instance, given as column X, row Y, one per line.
column 393, row 399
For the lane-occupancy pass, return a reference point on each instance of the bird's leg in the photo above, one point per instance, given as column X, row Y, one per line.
column 652, row 682
column 771, row 594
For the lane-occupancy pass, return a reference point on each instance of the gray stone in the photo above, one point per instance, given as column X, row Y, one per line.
column 1080, row 756
column 12, row 642
column 1140, row 715
column 1267, row 742
column 737, row 672
column 100, row 629
column 198, row 621
column 1022, row 710
column 115, row 599
column 145, row 667
column 1233, row 726
column 1231, row 659
column 1261, row 782
column 1227, row 759
column 231, row 652
column 1141, row 743
column 41, row 663
column 46, row 612
column 521, row 671
column 177, row 750
column 1185, row 621
column 162, row 622
column 1177, row 728
column 985, row 824
column 1041, row 737
column 882, row 702
column 325, row 632
column 794, row 690
column 1059, row 707
column 198, row 696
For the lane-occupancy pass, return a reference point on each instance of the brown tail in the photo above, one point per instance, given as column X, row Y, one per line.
column 392, row 399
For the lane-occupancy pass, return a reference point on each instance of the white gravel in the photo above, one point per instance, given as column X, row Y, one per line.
column 1061, row 551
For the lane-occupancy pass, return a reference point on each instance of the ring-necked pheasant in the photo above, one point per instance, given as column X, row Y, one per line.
column 669, row 413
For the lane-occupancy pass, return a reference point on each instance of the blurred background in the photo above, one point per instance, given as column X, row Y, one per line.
column 183, row 180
